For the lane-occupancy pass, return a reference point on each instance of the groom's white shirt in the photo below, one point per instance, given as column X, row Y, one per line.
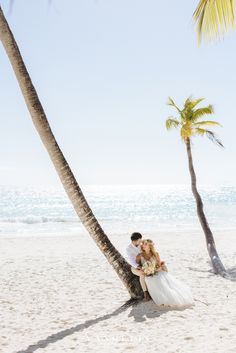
column 132, row 251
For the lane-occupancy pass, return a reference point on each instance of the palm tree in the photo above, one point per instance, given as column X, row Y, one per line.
column 65, row 174
column 214, row 17
column 190, row 124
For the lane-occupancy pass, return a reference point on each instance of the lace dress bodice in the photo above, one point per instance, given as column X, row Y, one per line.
column 152, row 259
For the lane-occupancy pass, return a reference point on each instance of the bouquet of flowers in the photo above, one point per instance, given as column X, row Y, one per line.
column 149, row 268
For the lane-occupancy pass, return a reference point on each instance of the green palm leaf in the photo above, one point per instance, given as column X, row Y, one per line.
column 200, row 131
column 172, row 123
column 172, row 103
column 198, row 113
column 191, row 103
column 214, row 17
column 207, row 122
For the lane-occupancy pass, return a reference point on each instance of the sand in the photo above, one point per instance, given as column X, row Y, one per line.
column 59, row 294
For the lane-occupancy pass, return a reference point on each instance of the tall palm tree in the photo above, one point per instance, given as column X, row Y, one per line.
column 214, row 17
column 190, row 124
column 65, row 174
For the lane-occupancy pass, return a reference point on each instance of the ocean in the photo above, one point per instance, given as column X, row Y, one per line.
column 119, row 208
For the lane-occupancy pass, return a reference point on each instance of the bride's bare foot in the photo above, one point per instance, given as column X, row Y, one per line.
column 146, row 296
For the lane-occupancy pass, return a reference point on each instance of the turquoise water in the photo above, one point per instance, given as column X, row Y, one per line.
column 120, row 209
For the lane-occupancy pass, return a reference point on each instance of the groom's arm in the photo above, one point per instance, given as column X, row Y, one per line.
column 131, row 258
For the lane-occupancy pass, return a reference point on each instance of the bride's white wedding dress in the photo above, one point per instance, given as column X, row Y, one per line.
column 166, row 290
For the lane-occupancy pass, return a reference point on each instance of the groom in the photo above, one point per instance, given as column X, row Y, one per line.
column 132, row 250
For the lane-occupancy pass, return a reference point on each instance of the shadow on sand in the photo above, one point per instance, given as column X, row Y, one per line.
column 231, row 272
column 140, row 311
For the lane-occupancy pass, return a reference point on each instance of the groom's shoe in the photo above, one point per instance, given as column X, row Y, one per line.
column 146, row 296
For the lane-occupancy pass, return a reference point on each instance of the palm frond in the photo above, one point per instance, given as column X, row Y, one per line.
column 191, row 103
column 214, row 17
column 172, row 104
column 200, row 131
column 211, row 135
column 203, row 111
column 172, row 123
column 207, row 122
column 187, row 102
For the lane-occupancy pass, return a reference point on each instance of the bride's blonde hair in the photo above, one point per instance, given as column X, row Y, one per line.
column 152, row 247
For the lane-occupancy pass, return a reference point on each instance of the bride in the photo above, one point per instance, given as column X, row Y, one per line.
column 163, row 288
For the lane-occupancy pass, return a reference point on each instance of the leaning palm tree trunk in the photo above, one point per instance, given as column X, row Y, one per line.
column 218, row 267
column 65, row 174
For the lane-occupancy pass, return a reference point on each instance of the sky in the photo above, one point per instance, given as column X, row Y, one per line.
column 103, row 70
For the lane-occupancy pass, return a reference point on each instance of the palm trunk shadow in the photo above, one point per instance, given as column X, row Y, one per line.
column 195, row 269
column 80, row 327
column 230, row 272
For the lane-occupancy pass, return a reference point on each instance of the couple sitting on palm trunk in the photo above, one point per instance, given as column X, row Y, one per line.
column 157, row 284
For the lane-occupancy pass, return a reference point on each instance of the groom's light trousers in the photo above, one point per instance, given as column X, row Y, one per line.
column 141, row 278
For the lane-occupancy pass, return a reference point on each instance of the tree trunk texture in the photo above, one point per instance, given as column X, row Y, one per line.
column 64, row 172
column 218, row 267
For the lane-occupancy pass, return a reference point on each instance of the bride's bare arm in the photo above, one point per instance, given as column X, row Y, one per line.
column 158, row 259
column 159, row 262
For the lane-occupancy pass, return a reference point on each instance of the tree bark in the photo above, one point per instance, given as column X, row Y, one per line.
column 218, row 267
column 64, row 172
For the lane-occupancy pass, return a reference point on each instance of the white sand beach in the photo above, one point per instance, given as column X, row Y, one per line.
column 59, row 294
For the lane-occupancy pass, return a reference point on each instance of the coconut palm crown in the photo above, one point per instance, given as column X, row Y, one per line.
column 190, row 122
column 214, row 17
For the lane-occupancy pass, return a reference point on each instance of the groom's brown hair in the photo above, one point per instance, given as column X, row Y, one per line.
column 136, row 236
